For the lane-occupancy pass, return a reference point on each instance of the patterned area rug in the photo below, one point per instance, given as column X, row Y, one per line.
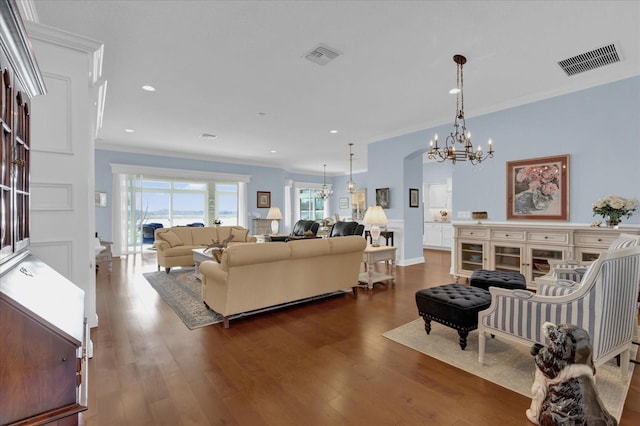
column 181, row 290
column 507, row 364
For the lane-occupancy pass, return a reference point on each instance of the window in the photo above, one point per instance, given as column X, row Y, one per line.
column 311, row 204
column 178, row 203
column 172, row 197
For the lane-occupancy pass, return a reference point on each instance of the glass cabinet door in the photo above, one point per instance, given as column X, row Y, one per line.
column 471, row 255
column 507, row 258
column 539, row 260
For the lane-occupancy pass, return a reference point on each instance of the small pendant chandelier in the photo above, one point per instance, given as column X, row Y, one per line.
column 460, row 135
column 325, row 192
column 351, row 185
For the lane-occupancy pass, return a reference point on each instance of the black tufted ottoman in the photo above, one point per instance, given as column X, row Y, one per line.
column 454, row 305
column 483, row 278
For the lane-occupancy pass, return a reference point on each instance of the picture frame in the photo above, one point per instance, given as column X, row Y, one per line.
column 414, row 197
column 382, row 198
column 343, row 202
column 538, row 188
column 263, row 199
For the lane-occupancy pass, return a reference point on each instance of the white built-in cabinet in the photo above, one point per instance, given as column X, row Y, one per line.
column 438, row 232
column 438, row 235
column 526, row 249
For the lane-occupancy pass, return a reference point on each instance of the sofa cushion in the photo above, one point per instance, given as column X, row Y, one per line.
column 239, row 233
column 172, row 238
column 250, row 254
column 205, row 236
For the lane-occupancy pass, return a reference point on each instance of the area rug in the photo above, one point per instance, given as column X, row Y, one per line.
column 507, row 364
column 181, row 290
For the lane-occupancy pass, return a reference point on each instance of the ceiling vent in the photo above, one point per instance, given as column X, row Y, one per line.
column 591, row 60
column 208, row 136
column 322, row 54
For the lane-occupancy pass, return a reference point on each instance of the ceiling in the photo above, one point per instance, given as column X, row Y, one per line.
column 236, row 69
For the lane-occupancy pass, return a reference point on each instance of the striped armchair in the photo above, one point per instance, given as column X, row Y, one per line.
column 603, row 303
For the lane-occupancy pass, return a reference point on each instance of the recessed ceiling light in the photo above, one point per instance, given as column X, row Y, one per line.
column 273, row 151
column 149, row 88
column 454, row 91
column 333, row 132
column 262, row 113
column 129, row 130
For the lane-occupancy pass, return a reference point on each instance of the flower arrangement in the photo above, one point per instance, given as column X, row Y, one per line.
column 542, row 182
column 613, row 207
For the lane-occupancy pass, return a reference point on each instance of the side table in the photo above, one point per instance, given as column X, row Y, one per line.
column 388, row 237
column 372, row 255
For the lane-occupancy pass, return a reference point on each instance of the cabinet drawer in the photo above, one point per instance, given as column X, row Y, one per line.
column 506, row 234
column 549, row 237
column 597, row 240
column 472, row 233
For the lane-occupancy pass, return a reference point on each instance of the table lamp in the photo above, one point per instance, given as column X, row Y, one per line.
column 375, row 216
column 275, row 215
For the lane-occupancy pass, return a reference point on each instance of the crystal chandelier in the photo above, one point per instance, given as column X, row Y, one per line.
column 351, row 185
column 460, row 135
column 325, row 192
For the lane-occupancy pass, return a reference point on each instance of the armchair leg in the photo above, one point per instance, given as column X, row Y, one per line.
column 481, row 345
column 625, row 357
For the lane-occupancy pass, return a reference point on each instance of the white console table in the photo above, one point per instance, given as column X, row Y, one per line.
column 526, row 248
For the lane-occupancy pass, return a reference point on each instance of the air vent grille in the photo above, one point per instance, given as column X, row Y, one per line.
column 322, row 54
column 590, row 60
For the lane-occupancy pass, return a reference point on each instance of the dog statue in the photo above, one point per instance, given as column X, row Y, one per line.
column 564, row 391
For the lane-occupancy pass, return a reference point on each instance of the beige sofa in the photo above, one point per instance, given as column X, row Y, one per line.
column 174, row 245
column 255, row 276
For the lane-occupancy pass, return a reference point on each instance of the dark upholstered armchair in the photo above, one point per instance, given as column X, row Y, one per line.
column 342, row 229
column 299, row 229
column 148, row 232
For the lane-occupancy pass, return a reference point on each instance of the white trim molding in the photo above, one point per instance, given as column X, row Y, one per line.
column 131, row 169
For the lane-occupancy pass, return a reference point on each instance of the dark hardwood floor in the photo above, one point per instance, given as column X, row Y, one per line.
column 322, row 363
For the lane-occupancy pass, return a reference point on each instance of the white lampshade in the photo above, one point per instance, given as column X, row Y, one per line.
column 375, row 216
column 275, row 215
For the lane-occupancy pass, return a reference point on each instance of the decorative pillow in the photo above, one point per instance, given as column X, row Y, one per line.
column 172, row 238
column 239, row 233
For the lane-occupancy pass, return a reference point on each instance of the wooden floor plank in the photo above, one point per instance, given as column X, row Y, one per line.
column 320, row 363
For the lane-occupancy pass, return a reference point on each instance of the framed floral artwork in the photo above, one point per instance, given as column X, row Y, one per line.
column 538, row 188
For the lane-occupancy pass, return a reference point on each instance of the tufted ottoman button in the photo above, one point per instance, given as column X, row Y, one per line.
column 458, row 309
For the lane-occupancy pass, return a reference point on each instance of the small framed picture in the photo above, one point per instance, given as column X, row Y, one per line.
column 414, row 197
column 344, row 202
column 382, row 198
column 264, row 200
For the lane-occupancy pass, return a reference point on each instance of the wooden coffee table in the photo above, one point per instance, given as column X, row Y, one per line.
column 200, row 256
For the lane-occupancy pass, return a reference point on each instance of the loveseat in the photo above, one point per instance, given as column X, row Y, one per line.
column 256, row 276
column 174, row 245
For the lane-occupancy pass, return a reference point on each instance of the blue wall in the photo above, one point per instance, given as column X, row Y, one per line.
column 599, row 128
